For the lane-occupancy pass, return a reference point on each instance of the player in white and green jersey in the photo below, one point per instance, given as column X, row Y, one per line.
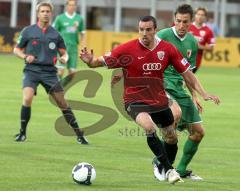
column 185, row 42
column 70, row 25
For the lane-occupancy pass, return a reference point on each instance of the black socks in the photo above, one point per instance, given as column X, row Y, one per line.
column 71, row 120
column 171, row 150
column 158, row 149
column 25, row 117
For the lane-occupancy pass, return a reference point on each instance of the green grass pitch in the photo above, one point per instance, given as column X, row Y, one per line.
column 122, row 162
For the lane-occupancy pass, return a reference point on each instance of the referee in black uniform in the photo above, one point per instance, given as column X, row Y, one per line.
column 39, row 45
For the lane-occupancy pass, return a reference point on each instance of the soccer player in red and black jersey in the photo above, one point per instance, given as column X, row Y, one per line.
column 143, row 62
column 202, row 33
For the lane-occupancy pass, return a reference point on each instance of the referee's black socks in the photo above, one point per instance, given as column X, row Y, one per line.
column 25, row 117
column 71, row 120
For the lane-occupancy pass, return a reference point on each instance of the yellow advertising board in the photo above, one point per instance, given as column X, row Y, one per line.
column 95, row 41
column 114, row 39
column 226, row 53
column 102, row 42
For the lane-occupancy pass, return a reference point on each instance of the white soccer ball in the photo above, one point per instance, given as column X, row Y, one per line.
column 83, row 173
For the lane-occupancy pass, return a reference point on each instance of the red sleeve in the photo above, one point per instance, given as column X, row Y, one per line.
column 111, row 58
column 120, row 57
column 210, row 37
column 179, row 63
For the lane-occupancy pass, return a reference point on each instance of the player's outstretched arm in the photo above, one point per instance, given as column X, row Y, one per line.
column 194, row 83
column 88, row 58
column 195, row 99
column 205, row 47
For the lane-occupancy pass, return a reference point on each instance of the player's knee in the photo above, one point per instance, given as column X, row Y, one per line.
column 60, row 72
column 169, row 135
column 171, row 139
column 198, row 135
column 27, row 100
column 177, row 115
column 149, row 127
column 177, row 112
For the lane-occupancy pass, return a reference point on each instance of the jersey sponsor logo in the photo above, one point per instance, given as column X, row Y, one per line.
column 65, row 23
column 184, row 61
column 202, row 33
column 140, row 57
column 52, row 45
column 71, row 29
column 152, row 66
column 189, row 53
column 160, row 55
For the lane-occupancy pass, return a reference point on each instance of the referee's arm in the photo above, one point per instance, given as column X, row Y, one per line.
column 63, row 55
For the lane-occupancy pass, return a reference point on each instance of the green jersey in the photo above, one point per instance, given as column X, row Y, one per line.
column 69, row 27
column 186, row 45
column 173, row 81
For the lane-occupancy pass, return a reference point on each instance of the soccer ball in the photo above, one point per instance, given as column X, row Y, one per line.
column 83, row 173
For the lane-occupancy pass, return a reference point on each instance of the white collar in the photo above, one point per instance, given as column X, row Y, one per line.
column 157, row 41
column 175, row 33
column 70, row 16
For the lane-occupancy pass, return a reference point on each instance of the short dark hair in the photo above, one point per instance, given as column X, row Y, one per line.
column 149, row 18
column 184, row 9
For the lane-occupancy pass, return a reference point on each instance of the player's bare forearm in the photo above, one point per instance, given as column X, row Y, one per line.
column 19, row 53
column 191, row 90
column 63, row 55
column 194, row 83
column 205, row 47
column 195, row 99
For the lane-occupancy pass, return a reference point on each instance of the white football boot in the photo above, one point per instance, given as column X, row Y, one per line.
column 173, row 176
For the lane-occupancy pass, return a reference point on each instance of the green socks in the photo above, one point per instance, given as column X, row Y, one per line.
column 189, row 150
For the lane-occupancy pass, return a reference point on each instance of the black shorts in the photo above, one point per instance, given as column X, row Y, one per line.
column 163, row 117
column 48, row 80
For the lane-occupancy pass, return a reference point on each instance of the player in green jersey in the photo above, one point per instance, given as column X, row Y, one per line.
column 185, row 42
column 70, row 25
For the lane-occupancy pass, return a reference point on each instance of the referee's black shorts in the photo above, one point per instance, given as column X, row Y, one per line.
column 48, row 80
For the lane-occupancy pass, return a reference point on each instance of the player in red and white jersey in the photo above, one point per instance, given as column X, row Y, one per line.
column 143, row 62
column 202, row 33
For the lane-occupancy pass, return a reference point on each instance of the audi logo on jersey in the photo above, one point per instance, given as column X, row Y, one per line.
column 152, row 66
